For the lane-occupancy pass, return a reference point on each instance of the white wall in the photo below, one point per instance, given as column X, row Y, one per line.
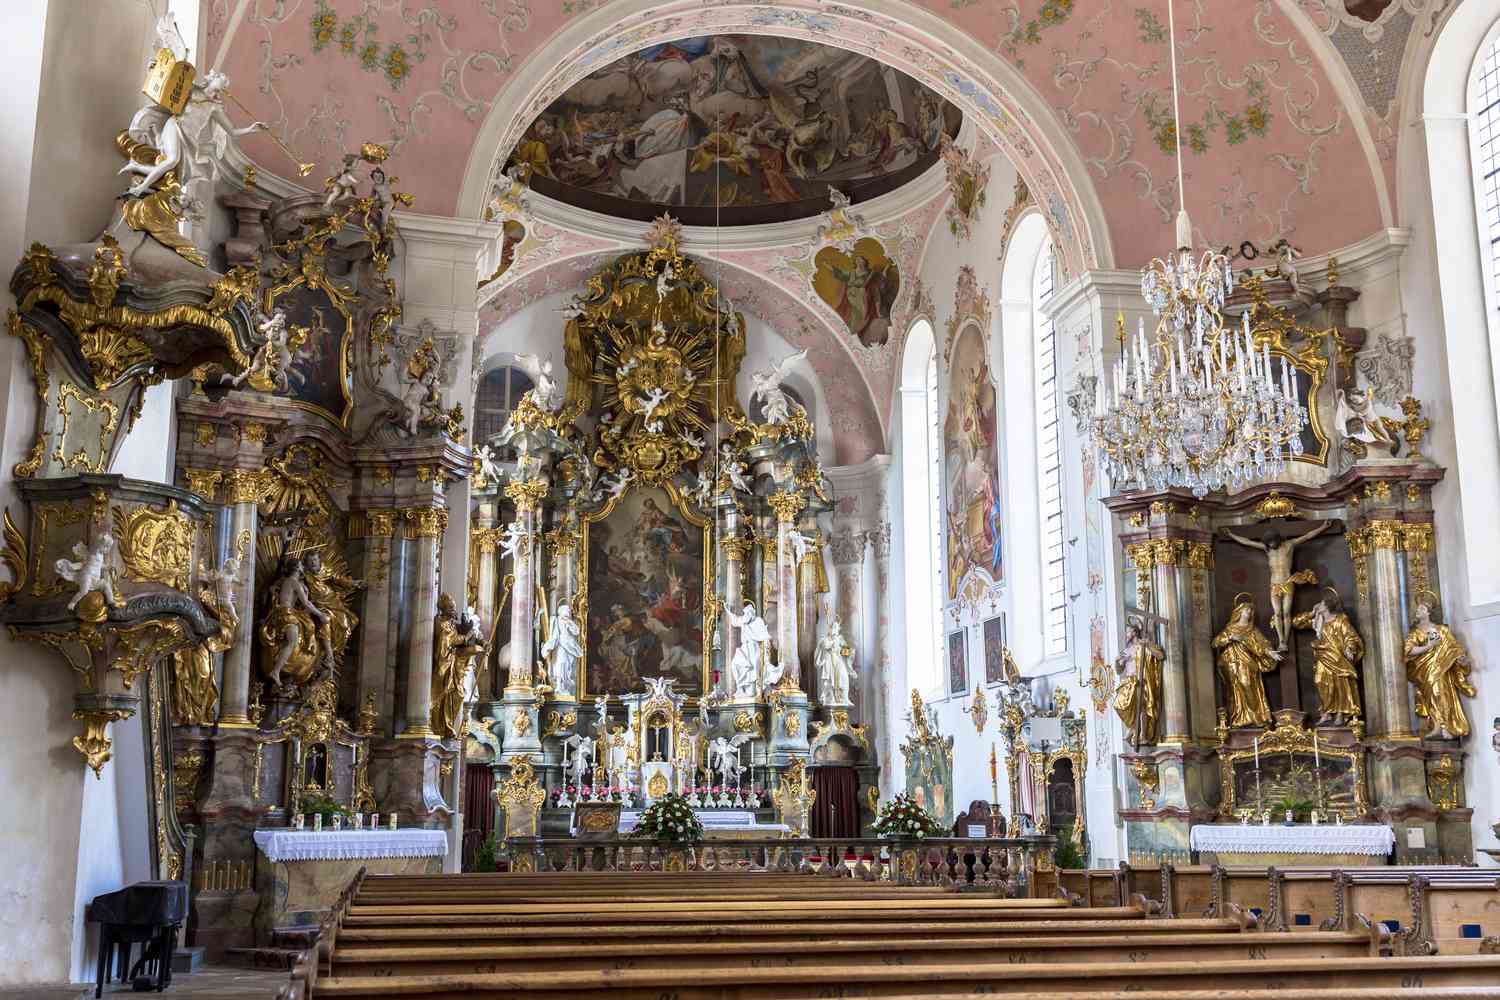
column 71, row 80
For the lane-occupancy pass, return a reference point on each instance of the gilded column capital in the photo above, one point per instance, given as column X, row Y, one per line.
column 1168, row 551
column 486, row 541
column 372, row 524
column 1417, row 537
column 563, row 541
column 1200, row 555
column 787, row 504
column 1140, row 554
column 1358, row 541
column 526, row 493
column 734, row 547
column 1385, row 534
column 204, row 482
column 245, row 485
column 424, row 522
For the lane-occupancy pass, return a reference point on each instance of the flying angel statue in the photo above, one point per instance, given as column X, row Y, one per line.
column 765, row 385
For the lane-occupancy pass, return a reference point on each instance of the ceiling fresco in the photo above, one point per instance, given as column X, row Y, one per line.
column 1289, row 121
column 733, row 129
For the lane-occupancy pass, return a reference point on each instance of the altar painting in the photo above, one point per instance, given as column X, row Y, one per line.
column 644, row 575
column 972, row 464
column 320, row 378
column 929, row 779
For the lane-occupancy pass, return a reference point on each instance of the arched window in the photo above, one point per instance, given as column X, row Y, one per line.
column 1049, row 462
column 499, row 391
column 921, row 506
column 1485, row 101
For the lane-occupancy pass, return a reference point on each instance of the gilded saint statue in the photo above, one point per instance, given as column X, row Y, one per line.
column 289, row 642
column 329, row 590
column 1337, row 649
column 1279, row 554
column 456, row 643
column 1438, row 666
column 1243, row 655
column 195, row 694
column 1138, row 697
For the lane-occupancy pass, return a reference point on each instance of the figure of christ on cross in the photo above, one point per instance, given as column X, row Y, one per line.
column 1279, row 554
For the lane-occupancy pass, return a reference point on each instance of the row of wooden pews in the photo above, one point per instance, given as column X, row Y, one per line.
column 695, row 935
column 1426, row 910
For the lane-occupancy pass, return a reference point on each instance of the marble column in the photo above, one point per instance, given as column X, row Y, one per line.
column 808, row 576
column 892, row 779
column 375, row 532
column 1167, row 569
column 484, row 576
column 521, row 709
column 787, row 504
column 733, row 548
column 563, row 541
column 423, row 527
column 242, row 493
column 1377, row 547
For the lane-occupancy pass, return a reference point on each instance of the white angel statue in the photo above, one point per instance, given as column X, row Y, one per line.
column 601, row 714
column 664, row 282
column 724, row 757
column 582, row 752
column 93, row 570
column 206, row 127
column 615, row 486
column 765, row 385
column 1355, row 418
column 272, row 359
column 802, row 543
column 546, row 394
column 651, row 402
column 489, row 466
column 834, row 660
column 730, row 462
column 344, row 187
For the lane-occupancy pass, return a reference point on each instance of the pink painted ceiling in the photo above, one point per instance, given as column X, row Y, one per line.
column 1272, row 149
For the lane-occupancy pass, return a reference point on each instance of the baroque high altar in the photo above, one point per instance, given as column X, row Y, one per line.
column 644, row 608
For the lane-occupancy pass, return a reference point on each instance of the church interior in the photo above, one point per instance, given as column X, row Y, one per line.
column 784, row 499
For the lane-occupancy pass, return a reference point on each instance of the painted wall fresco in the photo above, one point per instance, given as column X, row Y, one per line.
column 730, row 129
column 1267, row 134
column 971, row 458
column 645, row 596
column 861, row 285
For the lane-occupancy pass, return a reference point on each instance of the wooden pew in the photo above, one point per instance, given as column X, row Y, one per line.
column 840, row 977
column 377, row 959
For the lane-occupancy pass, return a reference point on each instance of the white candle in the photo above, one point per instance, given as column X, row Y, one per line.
column 1257, row 753
column 1317, row 757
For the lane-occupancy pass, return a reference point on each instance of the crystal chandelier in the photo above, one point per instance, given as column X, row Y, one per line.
column 1195, row 405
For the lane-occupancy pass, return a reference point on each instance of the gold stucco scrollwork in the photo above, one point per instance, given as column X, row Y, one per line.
column 424, row 522
column 155, row 545
column 787, row 504
column 94, row 743
column 1385, row 534
column 14, row 558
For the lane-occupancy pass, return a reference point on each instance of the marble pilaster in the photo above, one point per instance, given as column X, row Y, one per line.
column 787, row 505
column 242, row 491
column 423, row 528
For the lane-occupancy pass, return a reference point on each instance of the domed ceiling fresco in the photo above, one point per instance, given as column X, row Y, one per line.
column 733, row 129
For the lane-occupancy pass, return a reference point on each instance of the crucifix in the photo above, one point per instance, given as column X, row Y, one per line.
column 1279, row 542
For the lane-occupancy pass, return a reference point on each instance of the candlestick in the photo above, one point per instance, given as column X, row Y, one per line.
column 1257, row 753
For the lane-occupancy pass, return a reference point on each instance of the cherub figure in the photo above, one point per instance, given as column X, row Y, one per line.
column 343, row 187
column 91, row 569
column 651, row 402
column 801, row 543
column 511, row 540
column 546, row 393
column 272, row 362
column 730, row 463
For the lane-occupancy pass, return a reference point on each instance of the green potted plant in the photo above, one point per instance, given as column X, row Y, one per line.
column 1300, row 808
column 322, row 805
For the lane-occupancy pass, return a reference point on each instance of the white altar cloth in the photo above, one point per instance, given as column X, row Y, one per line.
column 1323, row 839
column 342, row 845
column 737, row 820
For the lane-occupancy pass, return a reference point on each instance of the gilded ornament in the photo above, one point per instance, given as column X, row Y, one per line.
column 1415, row 426
column 1417, row 537
column 155, row 545
column 1138, row 519
column 791, row 723
column 14, row 556
column 204, row 482
column 520, row 725
column 1442, row 786
column 1146, row 780
column 1385, row 534
column 1275, row 505
column 745, row 722
column 1200, row 555
column 380, row 523
column 734, row 547
column 369, row 715
column 1379, row 491
column 559, row 722
column 1439, row 669
column 562, row 540
column 527, row 494
column 94, row 743
column 245, row 486
column 187, row 768
column 1167, row 551
column 787, row 504
column 138, row 647
column 1162, row 508
column 424, row 522
column 254, row 432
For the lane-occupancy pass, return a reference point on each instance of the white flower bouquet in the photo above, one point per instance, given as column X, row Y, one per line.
column 670, row 820
column 903, row 819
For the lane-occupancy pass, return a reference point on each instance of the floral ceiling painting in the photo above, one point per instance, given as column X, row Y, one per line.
column 729, row 129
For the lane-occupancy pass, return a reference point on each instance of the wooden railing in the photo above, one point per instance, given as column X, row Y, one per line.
column 1011, row 864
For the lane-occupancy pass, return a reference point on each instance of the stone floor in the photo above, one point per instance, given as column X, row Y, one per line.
column 206, row 984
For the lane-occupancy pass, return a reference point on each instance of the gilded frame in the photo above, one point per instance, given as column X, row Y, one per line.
column 1290, row 741
column 581, row 599
column 1312, row 364
column 313, row 275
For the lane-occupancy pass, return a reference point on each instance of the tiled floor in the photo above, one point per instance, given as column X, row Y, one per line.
column 206, row 984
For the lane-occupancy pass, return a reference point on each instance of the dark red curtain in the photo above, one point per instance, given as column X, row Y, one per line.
column 479, row 809
column 835, row 812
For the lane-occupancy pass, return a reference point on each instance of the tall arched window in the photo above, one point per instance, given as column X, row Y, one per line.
column 1049, row 461
column 921, row 506
column 499, row 392
column 1486, row 104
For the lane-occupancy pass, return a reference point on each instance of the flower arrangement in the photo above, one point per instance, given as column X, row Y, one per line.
column 669, row 820
column 903, row 818
column 315, row 805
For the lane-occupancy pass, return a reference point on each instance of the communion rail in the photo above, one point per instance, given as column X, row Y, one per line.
column 1010, row 863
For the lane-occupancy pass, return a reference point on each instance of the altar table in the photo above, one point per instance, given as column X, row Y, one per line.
column 719, row 824
column 304, row 871
column 1254, row 844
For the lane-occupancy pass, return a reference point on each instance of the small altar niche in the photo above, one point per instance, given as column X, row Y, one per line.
column 1289, row 767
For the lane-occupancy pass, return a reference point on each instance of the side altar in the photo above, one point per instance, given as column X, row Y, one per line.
column 653, row 562
column 1284, row 655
